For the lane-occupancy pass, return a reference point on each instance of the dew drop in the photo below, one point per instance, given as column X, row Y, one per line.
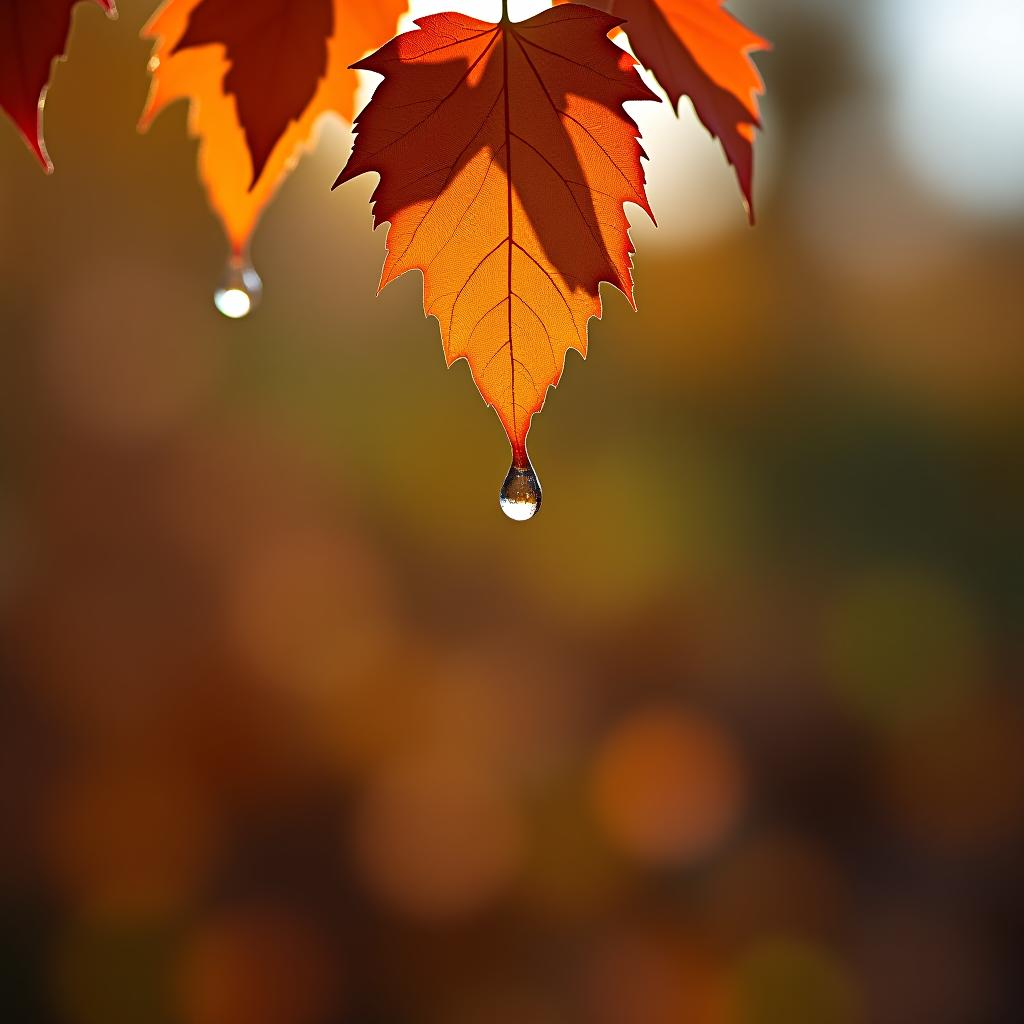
column 520, row 493
column 240, row 289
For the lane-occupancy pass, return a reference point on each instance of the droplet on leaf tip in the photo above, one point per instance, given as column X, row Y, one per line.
column 239, row 291
column 521, row 494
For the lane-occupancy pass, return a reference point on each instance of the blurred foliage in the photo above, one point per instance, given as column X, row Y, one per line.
column 296, row 728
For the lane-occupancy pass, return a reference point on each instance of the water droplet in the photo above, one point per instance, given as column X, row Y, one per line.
column 240, row 290
column 520, row 493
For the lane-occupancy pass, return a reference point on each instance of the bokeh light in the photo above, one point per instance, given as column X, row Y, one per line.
column 958, row 93
column 667, row 786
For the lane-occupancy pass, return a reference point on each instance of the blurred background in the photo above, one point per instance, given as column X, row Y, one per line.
column 297, row 728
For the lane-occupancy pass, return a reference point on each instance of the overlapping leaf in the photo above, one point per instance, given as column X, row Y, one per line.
column 695, row 48
column 258, row 73
column 33, row 33
column 505, row 158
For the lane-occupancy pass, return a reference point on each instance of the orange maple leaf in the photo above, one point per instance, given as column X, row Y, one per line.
column 696, row 48
column 505, row 158
column 32, row 34
column 258, row 74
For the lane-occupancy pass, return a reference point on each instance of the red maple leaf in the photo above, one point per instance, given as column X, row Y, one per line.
column 277, row 50
column 505, row 158
column 258, row 76
column 696, row 48
column 33, row 33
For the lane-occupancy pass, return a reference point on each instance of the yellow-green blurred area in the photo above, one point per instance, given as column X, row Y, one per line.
column 297, row 728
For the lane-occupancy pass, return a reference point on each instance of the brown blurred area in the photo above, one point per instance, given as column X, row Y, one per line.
column 296, row 728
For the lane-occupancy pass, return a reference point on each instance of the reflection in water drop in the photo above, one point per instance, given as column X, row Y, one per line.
column 240, row 290
column 520, row 493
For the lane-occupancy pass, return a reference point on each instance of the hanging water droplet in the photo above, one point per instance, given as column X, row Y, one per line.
column 520, row 493
column 240, row 290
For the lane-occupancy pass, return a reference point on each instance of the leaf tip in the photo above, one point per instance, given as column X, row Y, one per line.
column 32, row 132
column 42, row 156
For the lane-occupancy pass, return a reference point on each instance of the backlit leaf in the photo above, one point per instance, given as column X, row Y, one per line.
column 258, row 74
column 33, row 33
column 696, row 48
column 505, row 158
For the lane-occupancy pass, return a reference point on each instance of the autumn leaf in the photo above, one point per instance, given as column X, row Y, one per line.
column 695, row 48
column 505, row 158
column 277, row 53
column 33, row 33
column 258, row 75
